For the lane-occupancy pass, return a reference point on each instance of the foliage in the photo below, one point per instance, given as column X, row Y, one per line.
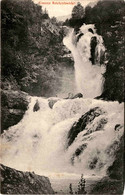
column 78, row 11
column 77, row 16
column 29, row 47
column 70, row 188
column 81, row 186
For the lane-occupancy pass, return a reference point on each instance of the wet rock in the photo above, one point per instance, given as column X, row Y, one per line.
column 115, row 171
column 113, row 183
column 93, row 45
column 52, row 102
column 36, row 106
column 65, row 30
column 107, row 186
column 93, row 163
column 78, row 95
column 100, row 126
column 13, row 106
column 118, row 127
column 67, row 57
column 82, row 123
column 79, row 36
column 18, row 182
column 78, row 152
column 76, row 30
column 90, row 30
column 70, row 96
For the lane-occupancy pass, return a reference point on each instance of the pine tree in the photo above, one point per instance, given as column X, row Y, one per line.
column 70, row 188
column 81, row 186
column 78, row 11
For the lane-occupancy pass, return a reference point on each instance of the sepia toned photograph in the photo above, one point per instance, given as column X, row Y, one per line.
column 62, row 97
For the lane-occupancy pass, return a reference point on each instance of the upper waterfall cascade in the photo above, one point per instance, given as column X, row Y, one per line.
column 85, row 45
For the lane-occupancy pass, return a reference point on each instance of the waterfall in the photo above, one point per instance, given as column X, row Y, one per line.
column 44, row 140
column 39, row 141
column 88, row 77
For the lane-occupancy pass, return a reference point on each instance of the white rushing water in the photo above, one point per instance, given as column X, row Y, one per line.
column 39, row 141
column 89, row 78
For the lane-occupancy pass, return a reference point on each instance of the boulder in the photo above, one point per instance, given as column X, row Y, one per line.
column 36, row 106
column 79, row 36
column 52, row 101
column 70, row 96
column 18, row 182
column 13, row 106
column 93, row 45
column 78, row 152
column 90, row 30
column 78, row 95
column 82, row 123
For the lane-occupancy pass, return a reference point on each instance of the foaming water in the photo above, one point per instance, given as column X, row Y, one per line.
column 39, row 141
column 88, row 77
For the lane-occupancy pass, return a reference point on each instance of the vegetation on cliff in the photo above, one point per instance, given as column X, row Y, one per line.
column 31, row 48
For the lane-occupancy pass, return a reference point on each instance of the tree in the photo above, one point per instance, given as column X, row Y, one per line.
column 45, row 14
column 78, row 11
column 81, row 186
column 77, row 18
column 53, row 20
column 70, row 188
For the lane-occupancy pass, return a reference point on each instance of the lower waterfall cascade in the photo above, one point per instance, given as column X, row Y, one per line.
column 39, row 142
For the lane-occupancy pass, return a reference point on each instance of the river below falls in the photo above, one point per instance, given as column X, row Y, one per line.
column 61, row 186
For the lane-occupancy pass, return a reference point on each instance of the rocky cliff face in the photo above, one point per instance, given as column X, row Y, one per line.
column 33, row 62
column 113, row 183
column 13, row 106
column 17, row 182
column 109, row 20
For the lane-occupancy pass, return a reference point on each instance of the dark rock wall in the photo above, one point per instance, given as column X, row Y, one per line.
column 113, row 183
column 115, row 171
column 109, row 19
column 13, row 106
column 82, row 123
column 18, row 182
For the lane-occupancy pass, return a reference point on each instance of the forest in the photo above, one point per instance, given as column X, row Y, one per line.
column 31, row 48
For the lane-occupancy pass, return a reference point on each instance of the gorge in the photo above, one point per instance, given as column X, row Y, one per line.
column 44, row 132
